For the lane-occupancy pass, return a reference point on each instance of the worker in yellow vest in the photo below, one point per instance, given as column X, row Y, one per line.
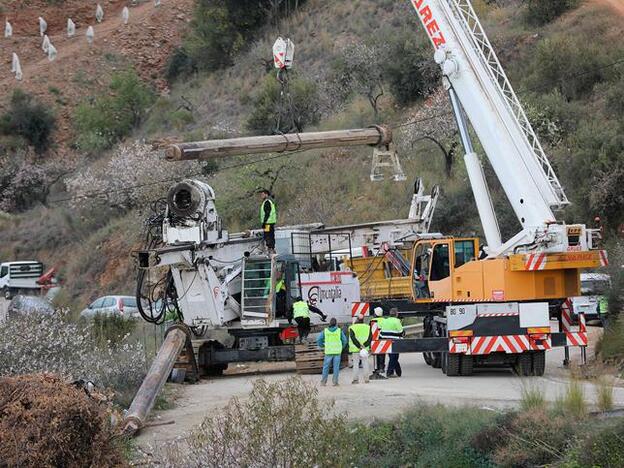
column 392, row 329
column 380, row 359
column 268, row 219
column 301, row 314
column 332, row 341
column 359, row 347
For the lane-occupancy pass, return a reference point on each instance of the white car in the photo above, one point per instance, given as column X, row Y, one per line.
column 122, row 306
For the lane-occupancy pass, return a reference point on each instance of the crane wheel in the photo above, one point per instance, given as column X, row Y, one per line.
column 453, row 364
column 466, row 365
column 428, row 357
column 538, row 363
column 524, row 365
column 436, row 361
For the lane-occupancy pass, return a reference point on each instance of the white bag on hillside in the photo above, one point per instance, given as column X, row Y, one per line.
column 99, row 13
column 90, row 34
column 71, row 28
column 16, row 67
column 8, row 29
column 43, row 26
column 51, row 52
column 125, row 15
column 364, row 353
column 156, row 2
column 45, row 45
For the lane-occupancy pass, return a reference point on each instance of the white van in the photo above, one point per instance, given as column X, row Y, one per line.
column 20, row 277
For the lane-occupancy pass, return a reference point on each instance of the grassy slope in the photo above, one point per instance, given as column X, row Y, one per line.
column 330, row 186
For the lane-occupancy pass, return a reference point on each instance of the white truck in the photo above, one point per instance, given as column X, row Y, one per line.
column 20, row 277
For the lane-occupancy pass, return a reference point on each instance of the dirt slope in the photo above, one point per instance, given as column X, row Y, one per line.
column 80, row 69
column 617, row 5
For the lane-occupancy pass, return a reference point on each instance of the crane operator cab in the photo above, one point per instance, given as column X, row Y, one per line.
column 269, row 288
column 434, row 275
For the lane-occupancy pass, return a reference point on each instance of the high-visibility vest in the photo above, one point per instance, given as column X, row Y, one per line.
column 301, row 309
column 272, row 215
column 362, row 332
column 280, row 285
column 604, row 304
column 391, row 327
column 333, row 341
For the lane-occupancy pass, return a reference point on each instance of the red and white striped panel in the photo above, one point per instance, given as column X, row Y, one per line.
column 566, row 315
column 604, row 258
column 535, row 262
column 458, row 347
column 375, row 330
column 381, row 346
column 576, row 338
column 510, row 344
column 358, row 308
column 504, row 314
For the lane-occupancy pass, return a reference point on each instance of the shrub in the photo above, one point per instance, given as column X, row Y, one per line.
column 410, row 70
column 29, row 119
column 532, row 398
column 615, row 98
column 544, row 11
column 180, row 63
column 280, row 424
column 425, row 436
column 271, row 112
column 141, row 176
column 109, row 118
column 571, row 65
column 604, row 393
column 532, row 438
column 25, row 180
column 602, row 447
column 34, row 343
column 572, row 402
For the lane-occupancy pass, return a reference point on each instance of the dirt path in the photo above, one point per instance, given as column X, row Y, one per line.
column 617, row 5
column 420, row 383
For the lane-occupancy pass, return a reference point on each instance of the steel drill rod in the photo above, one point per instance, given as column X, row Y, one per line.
column 154, row 381
column 203, row 150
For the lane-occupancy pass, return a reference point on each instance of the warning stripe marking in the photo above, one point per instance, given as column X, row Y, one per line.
column 604, row 258
column 358, row 308
column 504, row 314
column 381, row 346
column 510, row 344
column 535, row 262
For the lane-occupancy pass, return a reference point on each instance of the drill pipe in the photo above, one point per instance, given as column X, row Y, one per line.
column 204, row 150
column 154, row 380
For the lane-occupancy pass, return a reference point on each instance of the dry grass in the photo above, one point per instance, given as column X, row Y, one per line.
column 604, row 393
column 532, row 398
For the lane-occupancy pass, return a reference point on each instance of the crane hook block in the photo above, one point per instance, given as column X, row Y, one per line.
column 283, row 53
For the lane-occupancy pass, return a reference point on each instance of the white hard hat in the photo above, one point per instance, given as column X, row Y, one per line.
column 378, row 311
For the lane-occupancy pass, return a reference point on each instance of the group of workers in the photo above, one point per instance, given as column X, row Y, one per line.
column 333, row 341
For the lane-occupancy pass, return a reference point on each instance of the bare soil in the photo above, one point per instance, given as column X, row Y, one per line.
column 81, row 70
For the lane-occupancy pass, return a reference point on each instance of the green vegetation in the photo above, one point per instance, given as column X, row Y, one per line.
column 542, row 12
column 604, row 393
column 273, row 112
column 221, row 29
column 424, row 436
column 532, row 398
column 29, row 119
column 107, row 119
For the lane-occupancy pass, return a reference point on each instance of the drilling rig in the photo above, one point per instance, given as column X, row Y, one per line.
column 487, row 305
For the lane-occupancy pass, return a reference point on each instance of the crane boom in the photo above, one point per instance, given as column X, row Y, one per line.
column 474, row 75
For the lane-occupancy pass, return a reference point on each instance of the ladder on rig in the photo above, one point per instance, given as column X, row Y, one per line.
column 256, row 297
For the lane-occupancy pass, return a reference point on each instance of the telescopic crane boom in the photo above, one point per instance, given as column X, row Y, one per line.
column 479, row 88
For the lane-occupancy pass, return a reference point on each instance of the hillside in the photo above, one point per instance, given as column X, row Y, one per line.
column 565, row 70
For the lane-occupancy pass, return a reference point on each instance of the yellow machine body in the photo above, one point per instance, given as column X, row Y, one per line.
column 447, row 270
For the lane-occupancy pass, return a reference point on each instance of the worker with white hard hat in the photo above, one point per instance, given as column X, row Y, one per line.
column 380, row 359
column 359, row 347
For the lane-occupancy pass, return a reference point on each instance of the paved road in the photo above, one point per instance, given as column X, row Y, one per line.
column 420, row 383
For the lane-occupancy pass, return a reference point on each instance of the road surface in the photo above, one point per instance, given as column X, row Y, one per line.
column 387, row 398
